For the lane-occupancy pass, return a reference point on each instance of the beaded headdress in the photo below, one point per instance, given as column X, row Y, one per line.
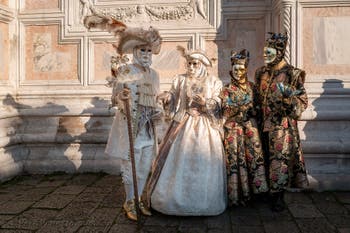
column 241, row 58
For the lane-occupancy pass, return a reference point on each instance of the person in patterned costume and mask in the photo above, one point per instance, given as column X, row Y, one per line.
column 282, row 99
column 243, row 149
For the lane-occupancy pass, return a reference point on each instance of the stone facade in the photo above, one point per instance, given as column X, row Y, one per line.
column 54, row 104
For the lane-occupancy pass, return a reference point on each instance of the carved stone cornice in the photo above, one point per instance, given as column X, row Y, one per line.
column 151, row 12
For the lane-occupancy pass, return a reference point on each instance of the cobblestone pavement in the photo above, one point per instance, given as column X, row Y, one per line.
column 93, row 203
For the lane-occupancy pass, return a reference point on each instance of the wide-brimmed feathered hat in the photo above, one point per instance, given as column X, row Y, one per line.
column 134, row 37
column 195, row 54
column 127, row 38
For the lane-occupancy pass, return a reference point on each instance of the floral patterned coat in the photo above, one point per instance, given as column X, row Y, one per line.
column 282, row 98
column 244, row 155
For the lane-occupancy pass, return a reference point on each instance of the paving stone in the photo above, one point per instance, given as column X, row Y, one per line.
column 158, row 229
column 343, row 197
column 102, row 217
column 322, row 197
column 113, row 199
column 243, row 210
column 266, row 214
column 340, row 221
column 162, row 220
column 248, row 229
column 5, row 218
column 252, row 220
column 16, row 189
column 70, row 189
column 198, row 229
column 63, row 226
column 32, row 219
column 90, row 197
column 98, row 190
column 281, row 226
column 93, row 203
column 77, row 211
column 15, row 207
column 123, row 220
column 90, row 229
column 33, row 194
column 329, row 207
column 219, row 231
column 297, row 198
column 304, row 211
column 51, row 183
column 4, row 197
column 315, row 225
column 83, row 179
column 53, row 201
column 59, row 176
column 124, row 228
column 347, row 207
column 31, row 180
column 13, row 231
column 192, row 222
column 221, row 221
column 108, row 181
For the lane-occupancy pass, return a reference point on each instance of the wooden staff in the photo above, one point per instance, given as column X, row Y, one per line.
column 126, row 98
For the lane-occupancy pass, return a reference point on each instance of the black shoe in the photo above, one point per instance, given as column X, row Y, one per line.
column 277, row 202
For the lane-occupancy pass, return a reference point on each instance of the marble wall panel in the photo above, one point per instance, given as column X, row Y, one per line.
column 4, row 51
column 46, row 58
column 169, row 61
column 102, row 60
column 41, row 4
column 242, row 34
column 326, row 39
column 4, row 2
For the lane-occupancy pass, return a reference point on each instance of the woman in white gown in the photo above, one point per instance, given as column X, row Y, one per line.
column 188, row 177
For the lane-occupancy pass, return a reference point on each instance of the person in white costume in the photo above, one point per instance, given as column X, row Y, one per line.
column 188, row 176
column 140, row 84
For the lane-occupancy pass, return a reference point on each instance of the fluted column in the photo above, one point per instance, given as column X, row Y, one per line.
column 286, row 10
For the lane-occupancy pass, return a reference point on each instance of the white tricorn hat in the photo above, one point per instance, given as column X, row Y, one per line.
column 195, row 54
column 133, row 37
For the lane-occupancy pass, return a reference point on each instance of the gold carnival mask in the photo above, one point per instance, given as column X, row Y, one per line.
column 239, row 71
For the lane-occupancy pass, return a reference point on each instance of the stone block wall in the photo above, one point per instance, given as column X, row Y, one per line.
column 54, row 104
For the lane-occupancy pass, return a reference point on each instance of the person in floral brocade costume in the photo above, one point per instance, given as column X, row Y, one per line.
column 243, row 149
column 282, row 98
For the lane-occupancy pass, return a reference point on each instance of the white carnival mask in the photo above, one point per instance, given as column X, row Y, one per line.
column 143, row 55
column 194, row 68
column 270, row 55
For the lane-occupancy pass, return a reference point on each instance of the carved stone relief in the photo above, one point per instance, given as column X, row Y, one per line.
column 44, row 59
column 195, row 9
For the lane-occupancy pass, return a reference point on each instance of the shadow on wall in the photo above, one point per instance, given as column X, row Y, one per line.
column 92, row 142
column 326, row 139
column 30, row 138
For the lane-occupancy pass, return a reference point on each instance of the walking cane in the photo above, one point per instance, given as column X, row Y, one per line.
column 132, row 155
